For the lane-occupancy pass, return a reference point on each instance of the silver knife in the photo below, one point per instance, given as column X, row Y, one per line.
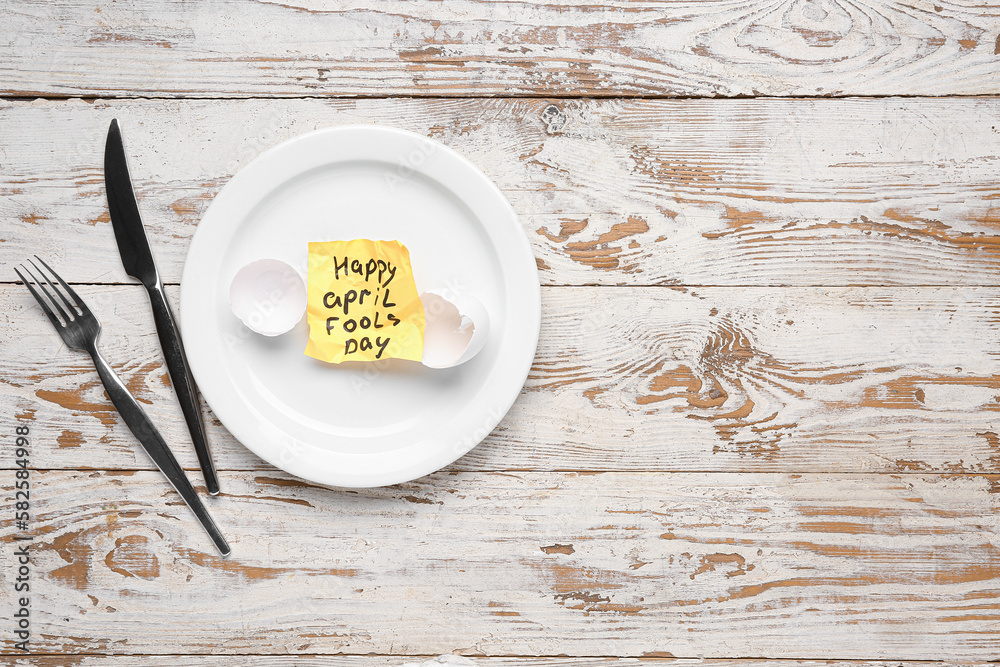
column 138, row 262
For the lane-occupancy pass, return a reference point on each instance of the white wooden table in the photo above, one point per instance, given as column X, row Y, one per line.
column 762, row 424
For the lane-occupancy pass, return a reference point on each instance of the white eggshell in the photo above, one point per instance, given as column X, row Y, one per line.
column 456, row 327
column 269, row 296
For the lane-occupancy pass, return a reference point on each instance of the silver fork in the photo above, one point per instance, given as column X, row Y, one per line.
column 80, row 330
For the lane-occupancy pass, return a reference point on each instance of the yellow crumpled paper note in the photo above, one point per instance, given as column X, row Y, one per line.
column 362, row 302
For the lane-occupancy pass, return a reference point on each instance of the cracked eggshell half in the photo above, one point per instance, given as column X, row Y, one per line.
column 456, row 327
column 269, row 296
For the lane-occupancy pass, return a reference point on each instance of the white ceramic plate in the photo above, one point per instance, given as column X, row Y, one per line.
column 356, row 424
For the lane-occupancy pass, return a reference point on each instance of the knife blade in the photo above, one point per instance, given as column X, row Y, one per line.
column 138, row 262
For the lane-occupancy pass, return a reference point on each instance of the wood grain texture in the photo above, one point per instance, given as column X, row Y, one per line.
column 720, row 192
column 761, row 424
column 518, row 564
column 724, row 379
column 453, row 660
column 567, row 48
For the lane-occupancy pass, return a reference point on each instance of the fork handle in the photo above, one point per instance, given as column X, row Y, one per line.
column 151, row 440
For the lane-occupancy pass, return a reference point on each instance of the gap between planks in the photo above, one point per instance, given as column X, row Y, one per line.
column 673, row 286
column 561, row 658
column 49, row 97
column 395, row 660
column 533, row 471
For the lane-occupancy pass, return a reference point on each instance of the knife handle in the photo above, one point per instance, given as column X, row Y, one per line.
column 183, row 383
column 151, row 440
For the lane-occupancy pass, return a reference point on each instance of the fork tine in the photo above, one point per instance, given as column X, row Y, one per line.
column 38, row 297
column 72, row 311
column 41, row 286
column 76, row 297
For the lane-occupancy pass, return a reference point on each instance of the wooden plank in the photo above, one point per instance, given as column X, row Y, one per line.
column 572, row 48
column 727, row 379
column 710, row 192
column 436, row 661
column 712, row 565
